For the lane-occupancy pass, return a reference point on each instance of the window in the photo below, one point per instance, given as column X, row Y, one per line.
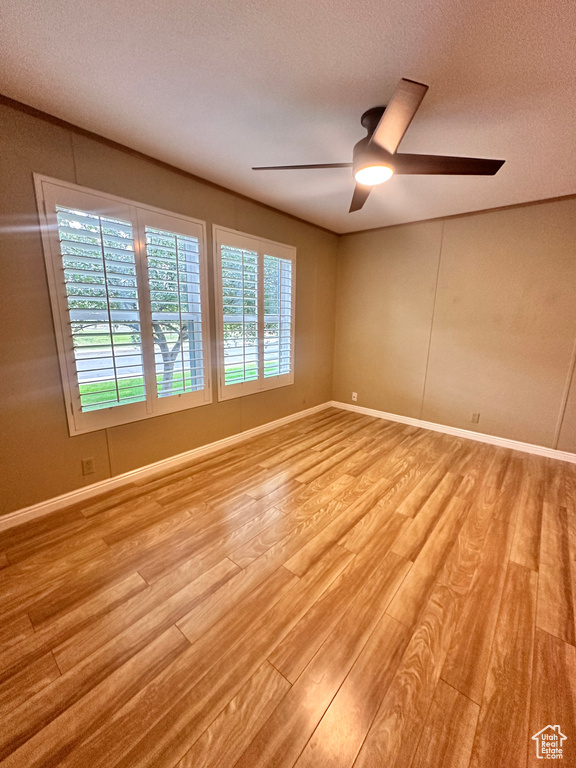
column 128, row 291
column 255, row 281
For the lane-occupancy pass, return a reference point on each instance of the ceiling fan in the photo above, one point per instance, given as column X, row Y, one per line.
column 375, row 158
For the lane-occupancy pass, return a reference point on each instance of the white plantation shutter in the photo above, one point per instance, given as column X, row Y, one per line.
column 176, row 304
column 277, row 316
column 101, row 287
column 255, row 313
column 129, row 299
column 240, row 314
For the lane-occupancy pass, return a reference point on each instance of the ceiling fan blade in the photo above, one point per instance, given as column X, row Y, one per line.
column 361, row 192
column 300, row 167
column 445, row 165
column 399, row 114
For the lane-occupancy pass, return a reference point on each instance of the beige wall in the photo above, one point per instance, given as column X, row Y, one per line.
column 38, row 459
column 473, row 314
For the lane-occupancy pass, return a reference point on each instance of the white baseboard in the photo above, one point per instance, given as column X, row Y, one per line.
column 503, row 442
column 173, row 462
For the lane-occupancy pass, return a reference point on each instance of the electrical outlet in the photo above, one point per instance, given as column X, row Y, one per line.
column 88, row 466
column 475, row 418
column 354, row 397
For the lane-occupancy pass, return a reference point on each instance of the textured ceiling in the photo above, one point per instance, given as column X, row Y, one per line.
column 216, row 87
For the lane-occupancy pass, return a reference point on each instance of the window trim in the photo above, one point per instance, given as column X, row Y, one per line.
column 262, row 246
column 140, row 215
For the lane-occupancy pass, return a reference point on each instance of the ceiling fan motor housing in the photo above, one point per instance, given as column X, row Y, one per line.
column 365, row 156
column 371, row 118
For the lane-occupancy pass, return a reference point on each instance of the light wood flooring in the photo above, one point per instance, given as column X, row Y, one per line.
column 342, row 591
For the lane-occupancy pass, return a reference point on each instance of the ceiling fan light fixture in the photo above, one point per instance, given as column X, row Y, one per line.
column 375, row 158
column 371, row 175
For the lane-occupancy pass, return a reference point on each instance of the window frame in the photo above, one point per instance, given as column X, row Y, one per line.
column 51, row 192
column 222, row 236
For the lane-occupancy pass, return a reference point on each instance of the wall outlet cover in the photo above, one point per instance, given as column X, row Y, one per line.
column 88, row 466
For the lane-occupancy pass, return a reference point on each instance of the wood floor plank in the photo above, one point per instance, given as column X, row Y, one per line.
column 239, row 722
column 24, row 589
column 385, row 434
column 55, row 546
column 207, row 614
column 469, row 655
column 157, row 607
column 553, row 696
column 72, row 590
column 221, row 480
column 245, row 583
column 26, row 683
column 403, row 482
column 364, row 457
column 393, row 737
column 569, row 490
column 133, row 525
column 14, row 631
column 95, row 668
column 337, row 740
column 230, row 610
column 510, row 495
column 380, row 522
column 279, row 529
column 343, row 435
column 258, row 483
column 35, row 530
column 155, row 532
column 212, row 463
column 555, row 488
column 305, row 558
column 498, row 467
column 419, row 584
column 557, row 575
column 310, row 498
column 109, row 499
column 410, row 544
column 294, row 447
column 526, row 544
column 319, row 468
column 286, row 732
column 297, row 649
column 226, row 534
column 461, row 564
column 179, row 705
column 51, row 744
column 502, row 731
column 113, row 525
column 427, row 485
column 448, row 734
column 473, row 466
column 428, row 620
column 371, row 457
column 35, row 644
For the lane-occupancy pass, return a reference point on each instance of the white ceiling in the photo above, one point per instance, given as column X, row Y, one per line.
column 216, row 86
